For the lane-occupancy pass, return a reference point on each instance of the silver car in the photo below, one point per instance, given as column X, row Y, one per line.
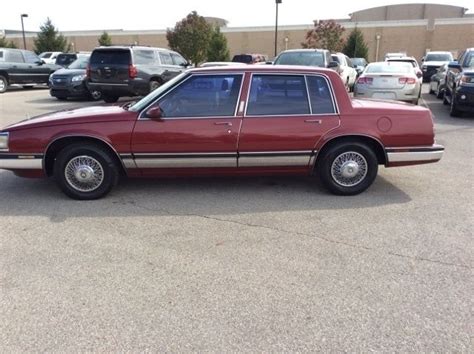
column 390, row 81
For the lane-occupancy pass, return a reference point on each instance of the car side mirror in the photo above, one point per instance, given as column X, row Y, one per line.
column 40, row 62
column 419, row 74
column 422, row 59
column 154, row 112
column 185, row 64
column 454, row 65
column 269, row 63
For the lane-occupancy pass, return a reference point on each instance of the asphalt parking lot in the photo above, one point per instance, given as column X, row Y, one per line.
column 241, row 264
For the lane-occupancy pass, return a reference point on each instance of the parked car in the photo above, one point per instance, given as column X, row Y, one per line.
column 65, row 59
column 432, row 62
column 438, row 81
column 389, row 80
column 49, row 57
column 71, row 81
column 22, row 67
column 346, row 69
column 219, row 63
column 309, row 57
column 459, row 92
column 249, row 58
column 395, row 55
column 359, row 64
column 131, row 70
column 413, row 62
column 251, row 120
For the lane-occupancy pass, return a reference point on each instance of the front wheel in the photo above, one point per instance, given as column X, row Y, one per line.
column 85, row 171
column 95, row 95
column 348, row 168
column 3, row 84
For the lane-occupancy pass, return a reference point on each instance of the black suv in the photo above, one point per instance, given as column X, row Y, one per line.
column 308, row 57
column 131, row 71
column 459, row 91
column 22, row 67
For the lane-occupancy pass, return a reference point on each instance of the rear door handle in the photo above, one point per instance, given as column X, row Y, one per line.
column 317, row 121
column 229, row 124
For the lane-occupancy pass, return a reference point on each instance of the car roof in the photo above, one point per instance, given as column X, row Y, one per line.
column 265, row 68
column 303, row 50
column 401, row 58
column 131, row 47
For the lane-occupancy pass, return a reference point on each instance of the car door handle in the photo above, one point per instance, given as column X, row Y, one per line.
column 229, row 124
column 317, row 121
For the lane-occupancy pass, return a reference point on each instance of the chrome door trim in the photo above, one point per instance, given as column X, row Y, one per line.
column 274, row 158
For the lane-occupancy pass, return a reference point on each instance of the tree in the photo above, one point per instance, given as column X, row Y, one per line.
column 325, row 35
column 105, row 40
column 191, row 37
column 49, row 39
column 355, row 45
column 218, row 50
column 4, row 43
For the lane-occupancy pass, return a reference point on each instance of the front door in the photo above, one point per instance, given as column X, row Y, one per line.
column 37, row 71
column 285, row 117
column 198, row 128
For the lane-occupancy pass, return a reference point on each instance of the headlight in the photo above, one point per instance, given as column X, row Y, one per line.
column 467, row 80
column 78, row 78
column 4, row 141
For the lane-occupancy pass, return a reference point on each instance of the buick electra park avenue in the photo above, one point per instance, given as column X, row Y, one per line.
column 233, row 120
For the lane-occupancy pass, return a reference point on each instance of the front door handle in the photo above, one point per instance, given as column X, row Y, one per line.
column 229, row 124
column 316, row 121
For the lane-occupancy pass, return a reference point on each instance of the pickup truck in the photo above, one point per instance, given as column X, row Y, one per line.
column 23, row 67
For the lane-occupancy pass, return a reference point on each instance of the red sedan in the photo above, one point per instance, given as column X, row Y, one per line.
column 249, row 120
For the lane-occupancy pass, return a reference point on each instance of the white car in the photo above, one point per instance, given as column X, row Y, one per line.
column 49, row 57
column 413, row 62
column 347, row 70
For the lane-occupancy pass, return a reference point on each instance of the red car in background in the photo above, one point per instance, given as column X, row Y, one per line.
column 236, row 120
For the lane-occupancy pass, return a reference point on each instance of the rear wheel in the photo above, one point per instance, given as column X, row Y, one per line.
column 95, row 95
column 110, row 98
column 348, row 168
column 154, row 84
column 3, row 84
column 85, row 171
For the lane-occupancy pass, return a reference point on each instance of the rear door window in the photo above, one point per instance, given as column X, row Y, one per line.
column 166, row 58
column 278, row 95
column 320, row 95
column 110, row 57
column 14, row 56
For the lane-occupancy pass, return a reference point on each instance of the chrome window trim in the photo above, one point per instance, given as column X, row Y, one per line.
column 307, row 94
column 324, row 76
column 241, row 74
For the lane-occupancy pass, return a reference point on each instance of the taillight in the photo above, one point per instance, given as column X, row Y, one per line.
column 407, row 80
column 88, row 71
column 365, row 80
column 132, row 71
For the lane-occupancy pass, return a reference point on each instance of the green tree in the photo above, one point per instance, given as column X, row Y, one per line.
column 326, row 35
column 355, row 45
column 49, row 39
column 4, row 43
column 191, row 37
column 105, row 40
column 218, row 50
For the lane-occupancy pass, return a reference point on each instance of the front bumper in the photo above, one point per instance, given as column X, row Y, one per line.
column 399, row 156
column 79, row 90
column 12, row 161
column 464, row 98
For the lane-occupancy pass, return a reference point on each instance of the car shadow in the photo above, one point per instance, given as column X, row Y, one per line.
column 189, row 196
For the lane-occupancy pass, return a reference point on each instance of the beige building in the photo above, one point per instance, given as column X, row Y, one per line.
column 411, row 28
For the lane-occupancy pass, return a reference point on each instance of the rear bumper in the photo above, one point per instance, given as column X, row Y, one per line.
column 133, row 88
column 401, row 156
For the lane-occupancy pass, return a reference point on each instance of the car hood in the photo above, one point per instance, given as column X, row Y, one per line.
column 74, row 116
column 394, row 107
column 69, row 72
column 434, row 63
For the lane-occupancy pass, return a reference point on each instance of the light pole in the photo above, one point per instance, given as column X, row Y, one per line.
column 23, row 29
column 377, row 46
column 277, row 2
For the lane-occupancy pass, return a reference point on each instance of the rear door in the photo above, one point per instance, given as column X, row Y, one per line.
column 110, row 66
column 17, row 68
column 285, row 117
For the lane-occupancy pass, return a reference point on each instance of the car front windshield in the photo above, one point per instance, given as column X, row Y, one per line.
column 358, row 61
column 439, row 57
column 389, row 68
column 152, row 96
column 46, row 55
column 80, row 63
column 301, row 58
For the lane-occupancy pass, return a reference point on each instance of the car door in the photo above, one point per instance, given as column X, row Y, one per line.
column 170, row 70
column 198, row 128
column 17, row 68
column 286, row 115
column 37, row 71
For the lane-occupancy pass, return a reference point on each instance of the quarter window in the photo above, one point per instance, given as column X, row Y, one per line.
column 165, row 59
column 320, row 95
column 144, row 56
column 278, row 95
column 203, row 96
column 178, row 59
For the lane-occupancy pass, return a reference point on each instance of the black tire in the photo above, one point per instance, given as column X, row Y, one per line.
column 445, row 101
column 110, row 98
column 453, row 111
column 439, row 93
column 154, row 84
column 3, row 84
column 95, row 95
column 345, row 186
column 62, row 98
column 431, row 92
column 97, row 157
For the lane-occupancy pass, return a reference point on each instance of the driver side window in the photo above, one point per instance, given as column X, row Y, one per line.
column 203, row 96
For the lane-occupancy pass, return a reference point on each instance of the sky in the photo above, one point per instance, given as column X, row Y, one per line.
column 161, row 14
